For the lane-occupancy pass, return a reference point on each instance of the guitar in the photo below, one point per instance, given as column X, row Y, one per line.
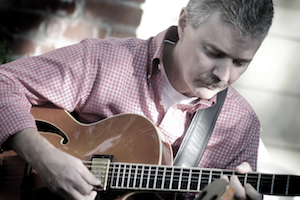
column 127, row 154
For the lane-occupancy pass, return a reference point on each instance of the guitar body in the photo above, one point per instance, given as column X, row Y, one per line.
column 129, row 138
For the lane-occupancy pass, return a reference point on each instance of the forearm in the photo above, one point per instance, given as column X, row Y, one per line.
column 30, row 145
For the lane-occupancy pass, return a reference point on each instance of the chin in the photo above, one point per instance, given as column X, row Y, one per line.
column 206, row 93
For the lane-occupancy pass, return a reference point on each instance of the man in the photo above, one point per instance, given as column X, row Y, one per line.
column 165, row 78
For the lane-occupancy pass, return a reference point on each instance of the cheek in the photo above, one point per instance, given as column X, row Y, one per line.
column 235, row 74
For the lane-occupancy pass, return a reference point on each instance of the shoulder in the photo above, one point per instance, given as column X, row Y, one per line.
column 237, row 106
column 112, row 41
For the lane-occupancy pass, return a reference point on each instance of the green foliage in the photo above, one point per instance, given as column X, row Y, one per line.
column 5, row 52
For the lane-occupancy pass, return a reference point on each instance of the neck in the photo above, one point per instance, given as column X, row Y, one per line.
column 171, row 65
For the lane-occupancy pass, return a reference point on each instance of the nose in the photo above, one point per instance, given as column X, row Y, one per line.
column 223, row 69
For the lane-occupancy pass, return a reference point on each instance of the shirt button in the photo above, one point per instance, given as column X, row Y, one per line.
column 161, row 102
column 149, row 76
column 159, row 66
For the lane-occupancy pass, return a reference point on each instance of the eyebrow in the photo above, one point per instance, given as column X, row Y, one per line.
column 221, row 51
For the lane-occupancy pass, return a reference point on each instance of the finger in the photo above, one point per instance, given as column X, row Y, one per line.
column 92, row 195
column 224, row 177
column 81, row 185
column 89, row 177
column 243, row 168
column 240, row 192
column 85, row 180
column 252, row 193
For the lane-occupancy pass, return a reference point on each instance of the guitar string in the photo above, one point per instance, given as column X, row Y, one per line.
column 89, row 164
column 208, row 172
column 127, row 173
column 123, row 178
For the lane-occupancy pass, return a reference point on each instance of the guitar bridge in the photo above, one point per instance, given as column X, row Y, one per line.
column 100, row 168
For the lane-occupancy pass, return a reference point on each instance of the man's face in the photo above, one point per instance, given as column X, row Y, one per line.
column 210, row 58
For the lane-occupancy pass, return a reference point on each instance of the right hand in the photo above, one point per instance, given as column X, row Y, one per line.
column 62, row 173
column 66, row 176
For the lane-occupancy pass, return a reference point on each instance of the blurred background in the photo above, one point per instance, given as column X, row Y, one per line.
column 271, row 84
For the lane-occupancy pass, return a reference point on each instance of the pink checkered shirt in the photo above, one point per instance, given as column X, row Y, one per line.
column 101, row 78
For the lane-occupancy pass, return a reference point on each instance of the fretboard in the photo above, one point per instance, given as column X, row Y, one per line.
column 171, row 178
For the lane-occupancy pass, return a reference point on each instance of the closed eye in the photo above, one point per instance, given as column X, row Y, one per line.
column 214, row 53
column 241, row 63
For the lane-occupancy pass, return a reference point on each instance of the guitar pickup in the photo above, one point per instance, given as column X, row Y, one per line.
column 100, row 168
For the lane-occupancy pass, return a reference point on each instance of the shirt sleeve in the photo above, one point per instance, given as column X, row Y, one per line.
column 61, row 77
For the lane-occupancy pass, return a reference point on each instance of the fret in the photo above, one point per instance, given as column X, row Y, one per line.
column 131, row 176
column 159, row 178
column 163, row 178
column 119, row 176
column 227, row 173
column 265, row 183
column 145, row 177
column 138, row 176
column 135, row 176
column 195, row 173
column 189, row 180
column 287, row 185
column 113, row 180
column 167, row 176
column 279, row 184
column 180, row 178
column 142, row 177
column 171, row 180
column 176, row 179
column 245, row 179
column 115, row 176
column 258, row 182
column 155, row 179
column 152, row 177
column 216, row 174
column 294, row 185
column 125, row 176
column 185, row 179
column 199, row 181
column 205, row 178
column 121, row 173
column 272, row 184
column 210, row 175
column 241, row 177
column 252, row 178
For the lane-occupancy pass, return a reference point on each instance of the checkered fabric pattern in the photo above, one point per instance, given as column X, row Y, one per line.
column 101, row 78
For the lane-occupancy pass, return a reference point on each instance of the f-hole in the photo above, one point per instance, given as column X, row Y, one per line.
column 47, row 127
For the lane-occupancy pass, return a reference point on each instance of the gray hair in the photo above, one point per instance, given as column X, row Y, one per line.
column 252, row 18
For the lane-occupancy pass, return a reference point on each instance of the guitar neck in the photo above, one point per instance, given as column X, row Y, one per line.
column 177, row 179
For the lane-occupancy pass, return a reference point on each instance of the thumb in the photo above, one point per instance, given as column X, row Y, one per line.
column 243, row 168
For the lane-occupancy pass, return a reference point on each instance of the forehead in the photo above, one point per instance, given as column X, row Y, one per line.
column 217, row 33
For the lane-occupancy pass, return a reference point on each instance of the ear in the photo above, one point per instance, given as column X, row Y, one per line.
column 183, row 22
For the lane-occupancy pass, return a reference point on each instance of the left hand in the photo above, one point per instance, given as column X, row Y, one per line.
column 243, row 192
